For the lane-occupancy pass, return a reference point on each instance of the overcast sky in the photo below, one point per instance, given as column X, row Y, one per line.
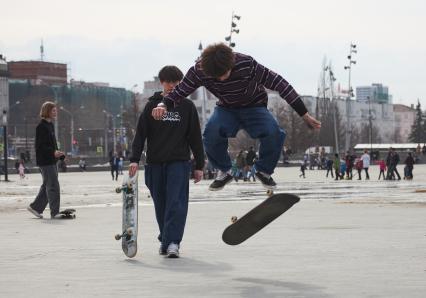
column 126, row 42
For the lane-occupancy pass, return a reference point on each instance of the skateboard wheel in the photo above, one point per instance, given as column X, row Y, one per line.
column 234, row 219
column 129, row 232
column 118, row 190
column 269, row 192
column 117, row 237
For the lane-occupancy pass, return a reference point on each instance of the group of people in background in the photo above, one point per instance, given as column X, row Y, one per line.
column 243, row 165
column 342, row 166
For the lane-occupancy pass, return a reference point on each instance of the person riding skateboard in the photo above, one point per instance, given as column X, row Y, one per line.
column 47, row 154
column 239, row 82
column 167, row 167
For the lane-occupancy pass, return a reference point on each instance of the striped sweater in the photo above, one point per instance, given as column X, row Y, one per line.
column 244, row 88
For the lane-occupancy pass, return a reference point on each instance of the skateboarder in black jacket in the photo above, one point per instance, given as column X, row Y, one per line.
column 47, row 154
column 167, row 168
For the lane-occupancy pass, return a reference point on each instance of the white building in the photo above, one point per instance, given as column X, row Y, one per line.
column 375, row 93
column 404, row 119
column 393, row 122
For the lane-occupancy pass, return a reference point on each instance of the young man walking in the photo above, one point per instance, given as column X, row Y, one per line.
column 167, row 167
column 239, row 82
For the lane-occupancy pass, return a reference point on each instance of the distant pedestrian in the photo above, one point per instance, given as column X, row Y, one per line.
column 47, row 154
column 359, row 166
column 342, row 168
column 240, row 161
column 382, row 167
column 114, row 161
column 302, row 169
column 418, row 149
column 349, row 160
column 366, row 163
column 250, row 160
column 329, row 166
column 21, row 169
column 409, row 165
column 120, row 164
column 393, row 159
column 336, row 166
column 82, row 164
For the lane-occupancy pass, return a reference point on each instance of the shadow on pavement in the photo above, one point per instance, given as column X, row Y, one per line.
column 271, row 288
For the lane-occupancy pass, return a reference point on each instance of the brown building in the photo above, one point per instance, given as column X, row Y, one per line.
column 46, row 72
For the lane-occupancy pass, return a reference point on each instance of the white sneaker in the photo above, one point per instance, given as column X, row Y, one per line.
column 34, row 212
column 221, row 175
column 173, row 250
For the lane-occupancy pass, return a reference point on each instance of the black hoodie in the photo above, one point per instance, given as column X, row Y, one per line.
column 45, row 144
column 171, row 138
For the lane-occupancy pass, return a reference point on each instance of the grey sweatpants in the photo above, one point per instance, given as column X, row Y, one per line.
column 49, row 191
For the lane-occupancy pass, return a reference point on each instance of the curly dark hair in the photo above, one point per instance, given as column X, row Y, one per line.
column 217, row 59
column 170, row 74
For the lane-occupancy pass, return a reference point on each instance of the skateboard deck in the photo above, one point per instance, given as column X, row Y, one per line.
column 68, row 213
column 257, row 218
column 129, row 190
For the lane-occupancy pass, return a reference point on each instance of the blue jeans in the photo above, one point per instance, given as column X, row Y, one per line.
column 168, row 184
column 257, row 122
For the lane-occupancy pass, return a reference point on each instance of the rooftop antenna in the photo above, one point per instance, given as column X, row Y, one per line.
column 41, row 50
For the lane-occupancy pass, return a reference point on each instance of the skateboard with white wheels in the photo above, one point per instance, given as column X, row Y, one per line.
column 129, row 234
column 256, row 219
column 68, row 213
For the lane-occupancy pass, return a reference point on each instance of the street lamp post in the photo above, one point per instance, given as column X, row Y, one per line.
column 370, row 121
column 114, row 138
column 17, row 103
column 352, row 50
column 135, row 106
column 4, row 120
column 72, row 128
column 203, row 97
column 106, row 135
column 233, row 30
column 334, row 107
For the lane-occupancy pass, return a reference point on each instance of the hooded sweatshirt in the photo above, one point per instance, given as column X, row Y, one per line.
column 172, row 137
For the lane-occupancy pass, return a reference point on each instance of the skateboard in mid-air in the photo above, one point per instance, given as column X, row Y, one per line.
column 68, row 213
column 129, row 234
column 256, row 219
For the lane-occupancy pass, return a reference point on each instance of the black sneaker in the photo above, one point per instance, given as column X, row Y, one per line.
column 267, row 182
column 162, row 251
column 222, row 179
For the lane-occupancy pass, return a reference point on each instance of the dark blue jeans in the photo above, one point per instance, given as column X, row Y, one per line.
column 169, row 187
column 257, row 122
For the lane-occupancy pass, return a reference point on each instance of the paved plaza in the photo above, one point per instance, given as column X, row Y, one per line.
column 343, row 239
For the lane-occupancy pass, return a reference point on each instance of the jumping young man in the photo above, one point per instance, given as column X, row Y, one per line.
column 239, row 82
column 167, row 167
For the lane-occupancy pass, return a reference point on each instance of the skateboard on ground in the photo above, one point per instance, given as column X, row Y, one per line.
column 68, row 213
column 129, row 234
column 257, row 218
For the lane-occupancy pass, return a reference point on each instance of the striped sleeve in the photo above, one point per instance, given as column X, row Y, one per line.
column 188, row 85
column 274, row 81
